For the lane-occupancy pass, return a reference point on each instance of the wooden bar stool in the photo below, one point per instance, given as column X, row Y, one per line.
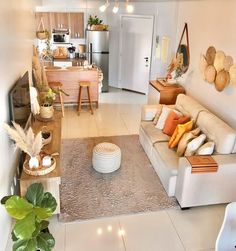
column 57, row 86
column 80, row 100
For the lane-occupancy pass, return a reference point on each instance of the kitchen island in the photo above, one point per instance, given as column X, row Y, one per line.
column 70, row 78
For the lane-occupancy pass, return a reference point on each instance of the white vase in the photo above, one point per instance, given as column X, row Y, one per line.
column 34, row 162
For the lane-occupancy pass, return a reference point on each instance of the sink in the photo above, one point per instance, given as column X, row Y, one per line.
column 74, row 68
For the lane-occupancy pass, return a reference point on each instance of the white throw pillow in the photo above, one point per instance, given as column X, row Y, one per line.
column 194, row 145
column 164, row 115
column 206, row 149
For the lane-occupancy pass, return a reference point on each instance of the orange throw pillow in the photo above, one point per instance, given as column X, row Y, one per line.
column 172, row 121
column 179, row 132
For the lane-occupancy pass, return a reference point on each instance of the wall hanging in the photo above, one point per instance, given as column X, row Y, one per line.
column 217, row 68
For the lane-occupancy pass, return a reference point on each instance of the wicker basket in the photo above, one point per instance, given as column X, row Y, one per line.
column 46, row 112
column 41, row 35
column 97, row 27
column 38, row 171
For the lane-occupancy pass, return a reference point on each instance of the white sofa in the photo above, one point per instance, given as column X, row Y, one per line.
column 175, row 172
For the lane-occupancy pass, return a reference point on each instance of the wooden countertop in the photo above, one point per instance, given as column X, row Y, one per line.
column 157, row 84
column 69, row 69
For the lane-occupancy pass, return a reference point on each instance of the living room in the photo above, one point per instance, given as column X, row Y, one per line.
column 210, row 23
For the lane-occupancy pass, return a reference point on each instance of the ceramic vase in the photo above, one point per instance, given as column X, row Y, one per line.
column 34, row 162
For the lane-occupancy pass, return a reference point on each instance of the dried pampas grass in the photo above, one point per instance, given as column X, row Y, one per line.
column 27, row 142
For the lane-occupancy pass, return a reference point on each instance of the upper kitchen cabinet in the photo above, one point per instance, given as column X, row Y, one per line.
column 45, row 17
column 60, row 20
column 77, row 25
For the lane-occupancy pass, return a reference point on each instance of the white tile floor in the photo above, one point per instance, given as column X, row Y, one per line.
column 170, row 230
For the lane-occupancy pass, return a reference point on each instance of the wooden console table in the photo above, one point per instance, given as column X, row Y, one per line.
column 164, row 94
column 51, row 182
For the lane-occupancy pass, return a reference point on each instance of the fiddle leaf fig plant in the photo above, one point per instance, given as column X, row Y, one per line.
column 31, row 213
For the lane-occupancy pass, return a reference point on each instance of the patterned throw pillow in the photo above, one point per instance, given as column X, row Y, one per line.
column 186, row 138
column 179, row 132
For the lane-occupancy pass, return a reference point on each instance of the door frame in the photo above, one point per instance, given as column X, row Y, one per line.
column 152, row 17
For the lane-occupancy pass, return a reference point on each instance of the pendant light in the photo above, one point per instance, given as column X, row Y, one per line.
column 129, row 7
column 116, row 7
column 103, row 7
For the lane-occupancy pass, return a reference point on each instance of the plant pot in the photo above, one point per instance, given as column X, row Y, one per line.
column 97, row 27
column 46, row 112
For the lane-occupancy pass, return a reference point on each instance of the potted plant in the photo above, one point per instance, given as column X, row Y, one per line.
column 46, row 103
column 31, row 213
column 94, row 23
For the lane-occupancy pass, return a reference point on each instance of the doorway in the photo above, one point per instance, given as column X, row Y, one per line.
column 136, row 35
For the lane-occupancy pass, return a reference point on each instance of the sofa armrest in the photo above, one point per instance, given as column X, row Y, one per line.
column 196, row 189
column 149, row 111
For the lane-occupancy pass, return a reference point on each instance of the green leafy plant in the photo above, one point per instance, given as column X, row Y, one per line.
column 31, row 214
column 94, row 20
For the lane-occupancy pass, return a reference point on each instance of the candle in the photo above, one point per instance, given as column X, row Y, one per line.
column 47, row 161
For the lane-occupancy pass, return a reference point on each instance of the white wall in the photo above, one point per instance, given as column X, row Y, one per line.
column 165, row 16
column 16, row 32
column 210, row 22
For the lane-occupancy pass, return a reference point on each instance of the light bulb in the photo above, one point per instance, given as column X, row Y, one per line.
column 102, row 8
column 115, row 9
column 129, row 8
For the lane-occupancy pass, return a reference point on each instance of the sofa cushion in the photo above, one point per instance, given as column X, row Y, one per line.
column 218, row 131
column 179, row 132
column 168, row 156
column 154, row 134
column 188, row 106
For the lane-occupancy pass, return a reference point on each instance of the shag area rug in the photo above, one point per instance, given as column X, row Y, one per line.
column 87, row 194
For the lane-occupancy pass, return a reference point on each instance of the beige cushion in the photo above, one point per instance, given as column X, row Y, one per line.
column 206, row 149
column 154, row 134
column 148, row 112
column 188, row 106
column 194, row 144
column 168, row 156
column 217, row 131
column 164, row 115
column 158, row 113
column 186, row 138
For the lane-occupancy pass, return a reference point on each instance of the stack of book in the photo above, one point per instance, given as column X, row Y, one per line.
column 202, row 164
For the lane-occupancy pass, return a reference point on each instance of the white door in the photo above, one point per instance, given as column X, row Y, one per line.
column 135, row 52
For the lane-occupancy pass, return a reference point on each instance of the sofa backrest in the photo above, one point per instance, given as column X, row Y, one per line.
column 215, row 129
column 188, row 106
column 218, row 131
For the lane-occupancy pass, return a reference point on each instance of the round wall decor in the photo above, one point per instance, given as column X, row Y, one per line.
column 210, row 74
column 232, row 73
column 219, row 61
column 222, row 80
column 210, row 55
column 202, row 66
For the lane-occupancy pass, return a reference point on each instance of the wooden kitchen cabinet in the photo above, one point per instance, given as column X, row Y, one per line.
column 77, row 25
column 45, row 16
column 60, row 20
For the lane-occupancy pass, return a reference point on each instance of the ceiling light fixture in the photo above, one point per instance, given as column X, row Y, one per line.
column 116, row 7
column 129, row 7
column 103, row 7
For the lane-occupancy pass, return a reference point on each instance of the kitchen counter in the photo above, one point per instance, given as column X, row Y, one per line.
column 70, row 78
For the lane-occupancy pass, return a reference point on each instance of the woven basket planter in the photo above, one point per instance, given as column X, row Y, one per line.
column 46, row 112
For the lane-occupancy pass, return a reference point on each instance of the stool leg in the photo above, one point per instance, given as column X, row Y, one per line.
column 79, row 100
column 62, row 103
column 89, row 98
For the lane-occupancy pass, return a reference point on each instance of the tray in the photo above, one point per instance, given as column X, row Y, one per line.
column 38, row 171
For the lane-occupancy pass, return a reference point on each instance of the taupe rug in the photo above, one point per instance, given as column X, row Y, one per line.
column 86, row 194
